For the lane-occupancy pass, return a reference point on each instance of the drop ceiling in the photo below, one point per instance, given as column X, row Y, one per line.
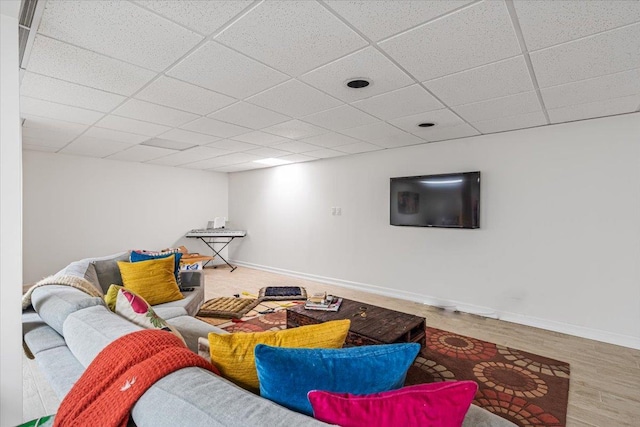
column 217, row 85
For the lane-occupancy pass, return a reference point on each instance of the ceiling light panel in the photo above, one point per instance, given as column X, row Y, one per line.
column 166, row 143
column 63, row 61
column 294, row 99
column 402, row 102
column 474, row 36
column 606, row 53
column 381, row 19
column 489, row 81
column 215, row 128
column 202, row 16
column 50, row 89
column 137, row 127
column 343, row 117
column 293, row 37
column 148, row 112
column 249, row 115
column 368, row 63
column 546, row 23
column 120, row 30
column 38, row 107
column 184, row 96
column 223, row 70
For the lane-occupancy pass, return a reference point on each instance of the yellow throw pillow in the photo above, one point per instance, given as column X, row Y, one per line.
column 233, row 355
column 153, row 280
column 111, row 296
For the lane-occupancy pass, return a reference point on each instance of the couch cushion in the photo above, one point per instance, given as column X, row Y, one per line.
column 191, row 302
column 107, row 270
column 442, row 404
column 355, row 370
column 195, row 397
column 90, row 330
column 191, row 329
column 38, row 336
column 60, row 368
column 153, row 280
column 83, row 268
column 54, row 303
column 233, row 354
column 137, row 256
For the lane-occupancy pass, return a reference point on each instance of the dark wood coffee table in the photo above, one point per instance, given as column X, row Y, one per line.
column 379, row 326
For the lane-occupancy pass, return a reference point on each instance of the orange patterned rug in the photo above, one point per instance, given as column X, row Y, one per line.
column 526, row 389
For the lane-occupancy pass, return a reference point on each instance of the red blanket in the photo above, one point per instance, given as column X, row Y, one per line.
column 120, row 374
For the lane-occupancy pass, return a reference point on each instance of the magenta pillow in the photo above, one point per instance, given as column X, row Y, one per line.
column 442, row 404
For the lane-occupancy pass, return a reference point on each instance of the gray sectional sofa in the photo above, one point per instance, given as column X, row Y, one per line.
column 67, row 328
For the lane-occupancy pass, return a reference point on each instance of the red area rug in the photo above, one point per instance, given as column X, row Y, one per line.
column 526, row 389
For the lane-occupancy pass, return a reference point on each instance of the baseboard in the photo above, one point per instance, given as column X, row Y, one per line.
column 550, row 325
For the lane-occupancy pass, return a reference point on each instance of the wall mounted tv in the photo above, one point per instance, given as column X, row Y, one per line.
column 449, row 200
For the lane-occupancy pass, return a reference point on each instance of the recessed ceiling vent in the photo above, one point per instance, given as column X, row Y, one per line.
column 426, row 125
column 30, row 15
column 358, row 83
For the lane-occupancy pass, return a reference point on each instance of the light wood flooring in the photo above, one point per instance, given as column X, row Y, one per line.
column 605, row 379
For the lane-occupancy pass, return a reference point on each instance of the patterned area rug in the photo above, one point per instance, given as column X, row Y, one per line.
column 526, row 389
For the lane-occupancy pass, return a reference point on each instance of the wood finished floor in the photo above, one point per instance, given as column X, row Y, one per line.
column 605, row 379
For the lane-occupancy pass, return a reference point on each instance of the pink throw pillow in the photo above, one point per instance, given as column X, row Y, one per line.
column 442, row 404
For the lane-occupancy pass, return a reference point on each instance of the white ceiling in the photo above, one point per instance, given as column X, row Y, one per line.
column 215, row 85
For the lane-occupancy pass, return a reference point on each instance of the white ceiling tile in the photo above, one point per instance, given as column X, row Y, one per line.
column 294, row 99
column 232, row 146
column 324, row 153
column 329, row 140
column 381, row 19
column 511, row 123
column 202, row 16
column 49, row 137
column 546, row 23
column 402, row 102
column 47, row 144
column 295, row 129
column 296, row 147
column 398, row 140
column 229, row 159
column 292, row 36
column 239, row 167
column 490, row 81
column 375, row 131
column 188, row 156
column 187, row 136
column 596, row 89
column 184, row 96
column 521, row 103
column 52, row 124
column 267, row 152
column 219, row 68
column 369, row 64
column 38, row 107
column 474, row 36
column 169, row 144
column 249, row 115
column 148, row 112
column 442, row 118
column 114, row 135
column 605, row 53
column 34, row 147
column 359, row 147
column 93, row 147
column 50, row 89
column 260, row 138
column 140, row 153
column 298, row 158
column 340, row 118
column 124, row 124
column 118, row 29
column 591, row 110
column 449, row 132
column 215, row 128
column 63, row 61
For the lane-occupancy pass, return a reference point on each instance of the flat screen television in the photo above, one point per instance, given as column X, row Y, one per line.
column 449, row 200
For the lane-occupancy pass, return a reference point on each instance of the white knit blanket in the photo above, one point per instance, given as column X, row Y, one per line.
column 73, row 281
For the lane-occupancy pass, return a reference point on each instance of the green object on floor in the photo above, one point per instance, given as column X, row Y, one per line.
column 39, row 422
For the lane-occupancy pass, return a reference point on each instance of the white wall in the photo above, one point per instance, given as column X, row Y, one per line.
column 10, row 220
column 559, row 244
column 76, row 207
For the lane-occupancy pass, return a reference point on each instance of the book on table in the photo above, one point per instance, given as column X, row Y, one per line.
column 330, row 303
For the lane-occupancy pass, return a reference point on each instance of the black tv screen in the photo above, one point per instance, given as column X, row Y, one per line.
column 449, row 200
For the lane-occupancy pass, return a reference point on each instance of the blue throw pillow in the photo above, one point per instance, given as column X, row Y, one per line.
column 286, row 375
column 138, row 256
